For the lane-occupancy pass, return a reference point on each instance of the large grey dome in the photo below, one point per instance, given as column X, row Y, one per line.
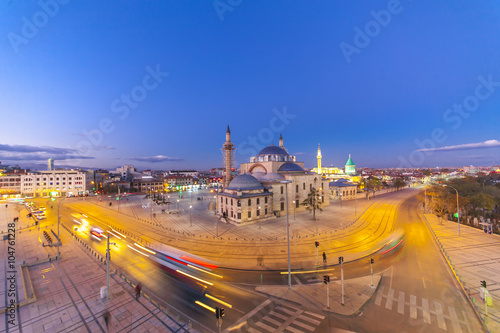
column 245, row 182
column 258, row 174
column 272, row 150
column 289, row 166
column 273, row 177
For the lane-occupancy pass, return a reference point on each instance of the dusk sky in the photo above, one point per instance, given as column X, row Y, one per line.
column 155, row 83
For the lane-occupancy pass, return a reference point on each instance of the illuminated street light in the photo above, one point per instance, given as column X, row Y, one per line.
column 458, row 209
column 286, row 182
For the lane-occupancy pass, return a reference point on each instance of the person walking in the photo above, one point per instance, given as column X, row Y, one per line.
column 324, row 258
column 138, row 290
column 107, row 318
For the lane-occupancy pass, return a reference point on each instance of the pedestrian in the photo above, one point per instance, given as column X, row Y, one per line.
column 6, row 206
column 138, row 290
column 107, row 318
column 324, row 258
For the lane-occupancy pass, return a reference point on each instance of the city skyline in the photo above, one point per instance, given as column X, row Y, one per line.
column 393, row 83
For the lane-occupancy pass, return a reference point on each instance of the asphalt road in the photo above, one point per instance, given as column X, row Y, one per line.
column 417, row 293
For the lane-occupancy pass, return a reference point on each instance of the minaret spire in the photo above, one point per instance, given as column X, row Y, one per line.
column 281, row 141
column 228, row 157
column 319, row 160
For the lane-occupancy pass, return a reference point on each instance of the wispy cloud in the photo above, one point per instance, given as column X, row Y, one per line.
column 155, row 159
column 36, row 149
column 466, row 146
column 39, row 153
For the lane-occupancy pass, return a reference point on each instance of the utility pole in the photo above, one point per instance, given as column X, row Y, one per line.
column 341, row 262
column 108, row 259
column 371, row 268
column 326, row 279
column 316, row 244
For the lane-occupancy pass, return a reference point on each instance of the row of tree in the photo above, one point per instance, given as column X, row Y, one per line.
column 477, row 197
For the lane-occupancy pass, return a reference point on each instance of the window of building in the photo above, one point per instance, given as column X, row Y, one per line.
column 231, row 204
column 226, row 201
column 303, row 186
column 239, row 216
column 258, row 212
column 249, row 202
column 239, row 203
column 265, row 199
column 258, row 201
column 281, row 189
column 249, row 214
column 265, row 211
column 310, row 187
column 296, row 188
column 282, row 206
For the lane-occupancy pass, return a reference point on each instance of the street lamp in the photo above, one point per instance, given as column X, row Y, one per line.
column 458, row 209
column 190, row 215
column 293, row 208
column 286, row 182
column 177, row 205
column 58, row 223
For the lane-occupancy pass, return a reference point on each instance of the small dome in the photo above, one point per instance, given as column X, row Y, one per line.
column 245, row 182
column 272, row 150
column 289, row 166
column 258, row 174
column 349, row 161
column 273, row 177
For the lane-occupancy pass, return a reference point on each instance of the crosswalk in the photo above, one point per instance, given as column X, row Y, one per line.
column 429, row 312
column 285, row 318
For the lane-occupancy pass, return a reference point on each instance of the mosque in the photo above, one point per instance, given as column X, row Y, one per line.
column 348, row 174
column 259, row 192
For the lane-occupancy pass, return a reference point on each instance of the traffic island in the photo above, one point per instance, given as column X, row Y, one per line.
column 358, row 291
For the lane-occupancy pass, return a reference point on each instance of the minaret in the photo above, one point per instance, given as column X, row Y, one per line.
column 319, row 160
column 228, row 157
column 281, row 141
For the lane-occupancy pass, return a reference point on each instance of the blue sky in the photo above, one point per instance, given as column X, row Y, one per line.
column 154, row 83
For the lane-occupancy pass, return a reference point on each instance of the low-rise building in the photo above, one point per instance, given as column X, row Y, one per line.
column 53, row 183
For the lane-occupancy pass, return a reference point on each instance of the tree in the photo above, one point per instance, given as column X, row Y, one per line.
column 399, row 183
column 313, row 202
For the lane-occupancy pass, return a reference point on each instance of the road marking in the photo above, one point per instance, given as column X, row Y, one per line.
column 248, row 315
column 312, row 321
column 413, row 306
column 427, row 315
column 297, row 280
column 390, row 298
column 315, row 315
column 423, row 281
column 454, row 320
column 293, row 330
column 378, row 300
column 419, row 266
column 271, row 320
column 285, row 310
column 307, row 327
column 278, row 315
column 439, row 314
column 286, row 324
column 401, row 303
column 264, row 326
column 390, row 281
column 252, row 330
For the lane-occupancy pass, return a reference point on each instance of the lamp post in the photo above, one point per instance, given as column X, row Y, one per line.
column 293, row 209
column 108, row 258
column 58, row 223
column 286, row 182
column 177, row 205
column 458, row 209
column 190, row 215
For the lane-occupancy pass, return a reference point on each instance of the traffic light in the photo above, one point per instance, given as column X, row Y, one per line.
column 326, row 279
column 372, row 261
column 483, row 284
column 217, row 313
column 221, row 312
column 341, row 260
column 316, row 244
